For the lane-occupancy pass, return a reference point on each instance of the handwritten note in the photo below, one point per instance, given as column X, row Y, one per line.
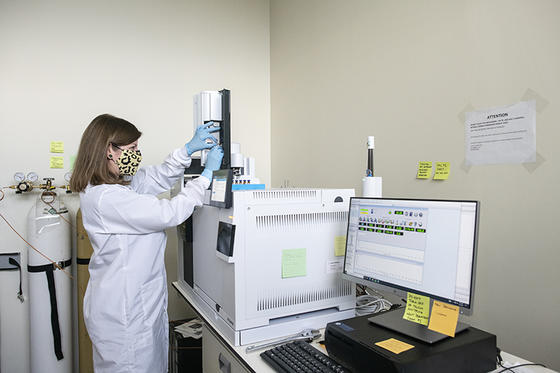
column 57, row 147
column 57, row 162
column 424, row 170
column 442, row 171
column 394, row 345
column 417, row 309
column 444, row 318
column 294, row 263
column 339, row 245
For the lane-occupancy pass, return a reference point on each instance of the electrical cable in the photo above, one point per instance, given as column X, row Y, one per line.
column 499, row 360
column 505, row 368
column 518, row 366
column 369, row 303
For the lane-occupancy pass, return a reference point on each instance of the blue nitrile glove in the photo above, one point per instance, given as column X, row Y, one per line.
column 198, row 142
column 213, row 161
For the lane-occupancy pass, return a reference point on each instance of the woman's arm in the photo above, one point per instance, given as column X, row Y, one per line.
column 158, row 179
column 123, row 211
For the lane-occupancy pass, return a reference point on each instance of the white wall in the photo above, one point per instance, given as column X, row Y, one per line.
column 405, row 71
column 64, row 62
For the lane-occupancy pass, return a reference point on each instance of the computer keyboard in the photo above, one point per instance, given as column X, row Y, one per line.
column 299, row 356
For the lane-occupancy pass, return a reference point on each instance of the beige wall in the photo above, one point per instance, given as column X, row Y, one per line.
column 405, row 71
column 64, row 62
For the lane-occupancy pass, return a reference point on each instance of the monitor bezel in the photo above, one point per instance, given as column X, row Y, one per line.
column 228, row 198
column 401, row 290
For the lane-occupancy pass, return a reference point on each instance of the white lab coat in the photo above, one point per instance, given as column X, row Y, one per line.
column 125, row 304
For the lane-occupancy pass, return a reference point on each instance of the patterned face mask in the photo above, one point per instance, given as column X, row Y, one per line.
column 129, row 161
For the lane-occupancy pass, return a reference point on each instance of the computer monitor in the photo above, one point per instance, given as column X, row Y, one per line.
column 427, row 247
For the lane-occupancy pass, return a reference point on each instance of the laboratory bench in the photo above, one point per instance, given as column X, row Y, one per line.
column 219, row 355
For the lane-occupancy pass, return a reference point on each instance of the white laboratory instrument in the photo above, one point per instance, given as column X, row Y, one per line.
column 267, row 266
column 243, row 168
column 262, row 263
column 214, row 106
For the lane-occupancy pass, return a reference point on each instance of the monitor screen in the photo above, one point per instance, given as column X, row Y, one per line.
column 427, row 247
column 220, row 195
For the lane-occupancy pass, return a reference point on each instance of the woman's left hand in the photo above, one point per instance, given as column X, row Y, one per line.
column 202, row 134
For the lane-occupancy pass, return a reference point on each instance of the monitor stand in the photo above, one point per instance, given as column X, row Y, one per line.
column 394, row 320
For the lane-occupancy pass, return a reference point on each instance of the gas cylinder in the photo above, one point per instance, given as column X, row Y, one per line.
column 50, row 289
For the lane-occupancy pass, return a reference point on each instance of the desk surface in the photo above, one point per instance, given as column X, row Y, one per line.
column 255, row 363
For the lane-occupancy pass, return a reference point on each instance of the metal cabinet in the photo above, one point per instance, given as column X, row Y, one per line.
column 217, row 357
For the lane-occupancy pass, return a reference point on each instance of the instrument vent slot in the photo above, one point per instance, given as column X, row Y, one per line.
column 306, row 220
column 290, row 298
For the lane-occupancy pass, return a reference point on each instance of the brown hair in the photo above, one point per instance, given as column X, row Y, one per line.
column 91, row 166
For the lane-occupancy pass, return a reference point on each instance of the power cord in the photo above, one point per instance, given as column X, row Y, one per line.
column 518, row 366
column 500, row 361
column 370, row 303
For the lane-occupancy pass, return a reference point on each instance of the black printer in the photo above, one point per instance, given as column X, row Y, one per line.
column 352, row 342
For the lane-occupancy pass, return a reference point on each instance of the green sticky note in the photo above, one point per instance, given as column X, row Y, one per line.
column 424, row 170
column 294, row 263
column 72, row 160
column 442, row 171
column 417, row 309
column 57, row 147
column 339, row 245
column 57, row 162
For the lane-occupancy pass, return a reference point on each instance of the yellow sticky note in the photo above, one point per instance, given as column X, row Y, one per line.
column 444, row 318
column 424, row 170
column 57, row 162
column 417, row 309
column 442, row 171
column 339, row 245
column 394, row 345
column 294, row 263
column 57, row 147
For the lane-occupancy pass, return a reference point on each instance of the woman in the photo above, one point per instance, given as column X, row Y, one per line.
column 125, row 305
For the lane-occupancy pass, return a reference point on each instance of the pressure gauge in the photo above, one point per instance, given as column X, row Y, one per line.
column 19, row 177
column 68, row 176
column 33, row 177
